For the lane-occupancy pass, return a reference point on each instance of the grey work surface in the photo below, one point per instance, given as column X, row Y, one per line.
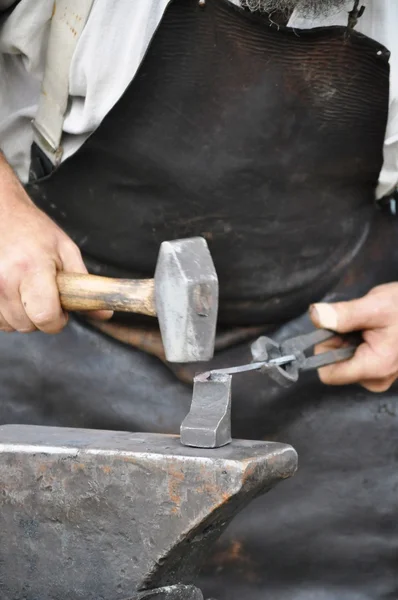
column 93, row 515
column 173, row 592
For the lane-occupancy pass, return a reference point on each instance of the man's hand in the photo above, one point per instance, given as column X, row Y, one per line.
column 32, row 250
column 375, row 364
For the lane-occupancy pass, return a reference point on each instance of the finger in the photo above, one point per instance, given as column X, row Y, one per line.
column 4, row 326
column 333, row 343
column 72, row 262
column 369, row 312
column 364, row 366
column 13, row 311
column 378, row 385
column 40, row 298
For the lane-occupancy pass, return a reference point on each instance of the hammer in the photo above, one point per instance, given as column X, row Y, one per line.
column 183, row 295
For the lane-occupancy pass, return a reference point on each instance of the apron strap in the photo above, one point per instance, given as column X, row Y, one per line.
column 67, row 23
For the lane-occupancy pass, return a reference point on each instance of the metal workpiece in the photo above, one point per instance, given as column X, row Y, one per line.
column 208, row 423
column 88, row 514
column 172, row 592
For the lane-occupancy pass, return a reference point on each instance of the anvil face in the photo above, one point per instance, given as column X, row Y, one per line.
column 88, row 514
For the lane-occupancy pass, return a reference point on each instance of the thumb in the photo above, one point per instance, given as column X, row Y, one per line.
column 344, row 317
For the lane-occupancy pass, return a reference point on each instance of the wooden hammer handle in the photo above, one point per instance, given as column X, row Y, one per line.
column 91, row 292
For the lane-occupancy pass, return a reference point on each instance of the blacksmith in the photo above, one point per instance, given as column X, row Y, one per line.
column 270, row 127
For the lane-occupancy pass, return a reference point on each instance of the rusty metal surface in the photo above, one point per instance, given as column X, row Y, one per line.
column 89, row 515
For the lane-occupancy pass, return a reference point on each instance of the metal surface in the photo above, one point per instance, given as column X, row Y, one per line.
column 264, row 348
column 172, row 592
column 257, row 366
column 88, row 514
column 300, row 344
column 208, row 423
column 186, row 292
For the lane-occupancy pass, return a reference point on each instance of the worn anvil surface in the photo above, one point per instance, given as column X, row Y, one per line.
column 92, row 515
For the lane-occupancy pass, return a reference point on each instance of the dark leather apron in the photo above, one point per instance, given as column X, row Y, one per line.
column 269, row 143
column 265, row 140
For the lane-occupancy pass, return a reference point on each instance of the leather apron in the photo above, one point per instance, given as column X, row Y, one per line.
column 269, row 143
column 265, row 140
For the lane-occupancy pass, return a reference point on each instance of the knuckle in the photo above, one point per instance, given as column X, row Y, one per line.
column 22, row 265
column 386, row 372
column 46, row 318
column 376, row 290
column 71, row 248
column 385, row 288
column 13, row 271
column 50, row 321
column 382, row 303
column 380, row 306
column 16, row 267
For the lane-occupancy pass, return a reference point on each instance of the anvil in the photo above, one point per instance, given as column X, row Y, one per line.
column 90, row 515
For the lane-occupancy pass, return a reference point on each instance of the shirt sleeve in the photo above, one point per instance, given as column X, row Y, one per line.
column 389, row 175
column 24, row 27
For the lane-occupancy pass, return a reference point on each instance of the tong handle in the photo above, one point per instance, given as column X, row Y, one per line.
column 301, row 343
column 328, row 358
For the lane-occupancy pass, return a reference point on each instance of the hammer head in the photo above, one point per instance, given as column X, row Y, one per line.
column 186, row 293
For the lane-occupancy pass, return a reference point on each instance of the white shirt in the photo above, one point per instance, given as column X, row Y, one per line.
column 107, row 57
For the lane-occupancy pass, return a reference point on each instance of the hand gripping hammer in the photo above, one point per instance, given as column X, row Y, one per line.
column 183, row 295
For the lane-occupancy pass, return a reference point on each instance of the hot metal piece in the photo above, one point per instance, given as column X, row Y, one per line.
column 101, row 514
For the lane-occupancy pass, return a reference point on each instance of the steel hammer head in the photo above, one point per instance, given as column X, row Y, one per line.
column 186, row 293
